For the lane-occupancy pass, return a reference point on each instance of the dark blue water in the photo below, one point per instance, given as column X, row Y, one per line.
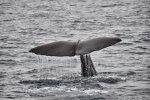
column 123, row 69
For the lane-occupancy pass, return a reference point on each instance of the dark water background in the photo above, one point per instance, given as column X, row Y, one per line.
column 123, row 69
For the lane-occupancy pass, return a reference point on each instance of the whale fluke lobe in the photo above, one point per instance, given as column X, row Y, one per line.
column 60, row 48
column 85, row 47
column 67, row 48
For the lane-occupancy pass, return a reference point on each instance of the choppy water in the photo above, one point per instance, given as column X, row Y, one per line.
column 123, row 69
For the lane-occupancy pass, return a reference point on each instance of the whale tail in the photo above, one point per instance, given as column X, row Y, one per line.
column 85, row 47
column 60, row 48
column 65, row 48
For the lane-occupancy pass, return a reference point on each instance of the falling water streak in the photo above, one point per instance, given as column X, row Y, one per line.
column 47, row 73
column 41, row 66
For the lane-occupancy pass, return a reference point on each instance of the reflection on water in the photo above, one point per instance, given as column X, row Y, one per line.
column 123, row 69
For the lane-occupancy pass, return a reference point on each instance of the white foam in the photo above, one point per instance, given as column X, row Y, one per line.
column 95, row 91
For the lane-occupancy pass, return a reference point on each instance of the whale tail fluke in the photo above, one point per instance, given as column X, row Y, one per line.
column 85, row 47
column 60, row 48
column 66, row 48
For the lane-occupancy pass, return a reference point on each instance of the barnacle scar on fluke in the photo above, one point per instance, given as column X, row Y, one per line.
column 82, row 48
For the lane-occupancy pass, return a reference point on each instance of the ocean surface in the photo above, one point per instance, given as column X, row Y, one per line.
column 123, row 69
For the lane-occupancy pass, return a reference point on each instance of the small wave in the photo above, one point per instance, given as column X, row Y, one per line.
column 126, row 44
column 39, row 15
column 111, row 80
column 9, row 46
column 3, row 74
column 5, row 4
column 95, row 91
column 112, row 5
column 146, row 40
column 7, row 20
column 42, row 82
column 131, row 73
column 32, row 71
column 139, row 53
column 2, row 38
column 142, row 47
column 148, row 66
column 8, row 62
column 142, row 91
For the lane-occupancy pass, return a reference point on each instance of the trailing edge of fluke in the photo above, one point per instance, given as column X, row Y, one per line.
column 67, row 48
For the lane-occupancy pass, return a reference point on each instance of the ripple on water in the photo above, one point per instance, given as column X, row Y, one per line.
column 42, row 82
column 3, row 74
column 8, row 62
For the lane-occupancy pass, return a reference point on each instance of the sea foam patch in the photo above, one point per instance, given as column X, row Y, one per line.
column 95, row 91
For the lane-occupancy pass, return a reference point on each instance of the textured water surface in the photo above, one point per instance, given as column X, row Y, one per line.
column 123, row 69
